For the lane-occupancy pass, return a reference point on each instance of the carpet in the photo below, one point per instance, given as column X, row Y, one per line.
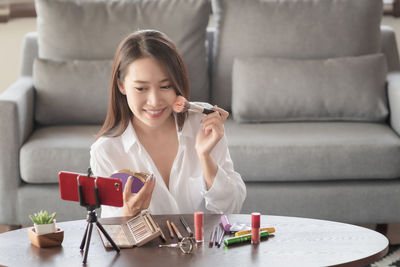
column 392, row 258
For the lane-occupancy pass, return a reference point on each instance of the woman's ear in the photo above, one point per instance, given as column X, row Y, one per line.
column 121, row 87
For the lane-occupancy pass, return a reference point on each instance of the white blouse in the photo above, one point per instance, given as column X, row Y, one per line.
column 187, row 190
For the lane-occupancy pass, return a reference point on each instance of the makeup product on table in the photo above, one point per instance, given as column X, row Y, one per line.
column 136, row 232
column 245, row 232
column 186, row 226
column 240, row 228
column 244, row 238
column 139, row 178
column 255, row 227
column 198, row 226
column 171, row 233
column 221, row 237
column 225, row 223
column 212, row 237
column 187, row 245
column 182, row 105
column 162, row 236
column 178, row 234
column 217, row 233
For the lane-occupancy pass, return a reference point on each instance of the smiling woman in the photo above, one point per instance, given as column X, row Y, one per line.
column 135, row 57
column 186, row 152
column 149, row 93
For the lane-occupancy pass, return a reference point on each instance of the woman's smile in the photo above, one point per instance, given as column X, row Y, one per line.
column 154, row 113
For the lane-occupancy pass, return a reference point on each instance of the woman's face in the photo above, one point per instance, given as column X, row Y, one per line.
column 149, row 92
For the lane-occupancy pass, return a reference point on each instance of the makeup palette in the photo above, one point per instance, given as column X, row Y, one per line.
column 139, row 178
column 136, row 232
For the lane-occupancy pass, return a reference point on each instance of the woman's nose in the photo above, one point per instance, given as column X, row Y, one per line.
column 154, row 98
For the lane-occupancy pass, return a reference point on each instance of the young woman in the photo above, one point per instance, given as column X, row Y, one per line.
column 187, row 152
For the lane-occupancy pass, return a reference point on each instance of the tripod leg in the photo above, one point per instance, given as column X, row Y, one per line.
column 84, row 237
column 87, row 243
column 108, row 236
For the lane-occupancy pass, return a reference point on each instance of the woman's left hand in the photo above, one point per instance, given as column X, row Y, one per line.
column 211, row 132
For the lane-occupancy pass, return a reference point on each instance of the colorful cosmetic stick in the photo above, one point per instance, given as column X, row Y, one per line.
column 198, row 226
column 186, row 226
column 245, row 232
column 178, row 234
column 255, row 227
column 212, row 237
column 162, row 236
column 225, row 223
column 244, row 238
column 217, row 233
column 221, row 237
column 171, row 233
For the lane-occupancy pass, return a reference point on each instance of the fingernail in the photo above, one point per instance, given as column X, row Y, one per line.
column 131, row 177
column 151, row 178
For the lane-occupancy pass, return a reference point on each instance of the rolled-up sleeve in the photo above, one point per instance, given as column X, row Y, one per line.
column 228, row 190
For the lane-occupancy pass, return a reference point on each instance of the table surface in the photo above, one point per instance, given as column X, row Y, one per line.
column 296, row 242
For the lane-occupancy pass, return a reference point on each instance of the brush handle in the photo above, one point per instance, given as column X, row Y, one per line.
column 208, row 111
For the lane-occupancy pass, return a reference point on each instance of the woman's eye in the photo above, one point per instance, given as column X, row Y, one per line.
column 166, row 87
column 140, row 89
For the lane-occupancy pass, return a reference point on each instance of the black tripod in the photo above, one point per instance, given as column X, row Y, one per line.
column 92, row 218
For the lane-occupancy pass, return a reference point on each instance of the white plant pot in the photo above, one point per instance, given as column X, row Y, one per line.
column 42, row 229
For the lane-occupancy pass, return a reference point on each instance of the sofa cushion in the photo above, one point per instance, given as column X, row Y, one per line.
column 290, row 29
column 93, row 29
column 71, row 92
column 276, row 89
column 56, row 148
column 314, row 151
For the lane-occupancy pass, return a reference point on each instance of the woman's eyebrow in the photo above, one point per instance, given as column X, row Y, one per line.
column 139, row 81
column 164, row 80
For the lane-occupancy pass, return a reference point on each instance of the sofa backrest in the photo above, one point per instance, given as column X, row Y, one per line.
column 79, row 37
column 297, row 29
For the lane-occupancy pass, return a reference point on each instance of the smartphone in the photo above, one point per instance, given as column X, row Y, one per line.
column 110, row 189
column 139, row 178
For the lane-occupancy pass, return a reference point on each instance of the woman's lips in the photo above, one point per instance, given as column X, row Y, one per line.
column 155, row 113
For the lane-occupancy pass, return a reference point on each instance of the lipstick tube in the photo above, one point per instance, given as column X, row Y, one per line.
column 198, row 226
column 255, row 227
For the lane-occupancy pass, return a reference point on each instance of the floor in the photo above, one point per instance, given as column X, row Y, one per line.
column 12, row 33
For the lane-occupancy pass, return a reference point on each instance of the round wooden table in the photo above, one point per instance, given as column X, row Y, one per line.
column 296, row 242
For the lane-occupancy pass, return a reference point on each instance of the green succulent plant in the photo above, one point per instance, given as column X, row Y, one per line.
column 42, row 217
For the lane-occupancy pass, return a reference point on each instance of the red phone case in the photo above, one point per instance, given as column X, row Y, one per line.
column 110, row 189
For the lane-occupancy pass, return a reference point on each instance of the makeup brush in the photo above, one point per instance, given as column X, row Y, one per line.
column 182, row 105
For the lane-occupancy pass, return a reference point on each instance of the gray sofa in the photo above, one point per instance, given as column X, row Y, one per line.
column 316, row 107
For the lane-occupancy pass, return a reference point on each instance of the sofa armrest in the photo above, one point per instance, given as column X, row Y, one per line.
column 16, row 123
column 393, row 80
column 389, row 47
column 30, row 51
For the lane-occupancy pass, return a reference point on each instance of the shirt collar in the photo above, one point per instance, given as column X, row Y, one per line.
column 129, row 137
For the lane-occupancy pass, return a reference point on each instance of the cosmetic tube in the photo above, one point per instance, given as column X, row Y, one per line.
column 243, row 238
column 245, row 232
column 225, row 223
column 198, row 226
column 255, row 227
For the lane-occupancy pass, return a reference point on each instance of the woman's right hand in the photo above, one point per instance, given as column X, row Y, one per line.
column 134, row 203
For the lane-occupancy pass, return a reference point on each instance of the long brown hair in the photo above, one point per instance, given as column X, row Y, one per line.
column 144, row 43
